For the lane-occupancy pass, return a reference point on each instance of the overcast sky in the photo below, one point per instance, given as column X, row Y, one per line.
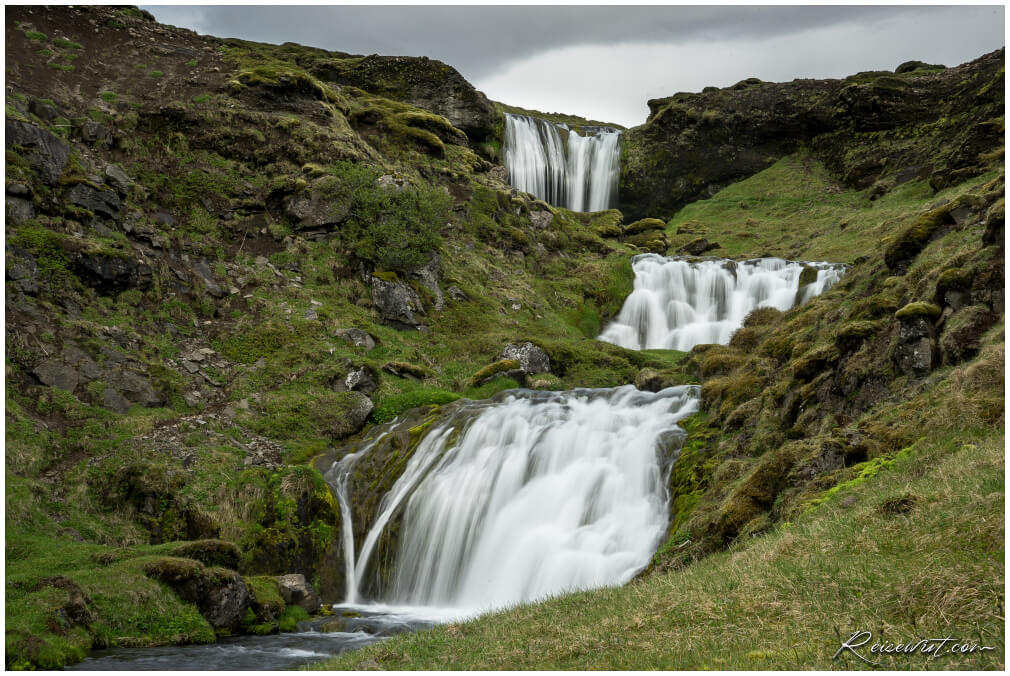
column 605, row 62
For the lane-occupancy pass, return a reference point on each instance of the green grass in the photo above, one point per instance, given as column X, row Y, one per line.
column 36, row 36
column 781, row 601
column 796, row 210
column 66, row 44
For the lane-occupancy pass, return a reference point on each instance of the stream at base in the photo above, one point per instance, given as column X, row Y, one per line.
column 361, row 625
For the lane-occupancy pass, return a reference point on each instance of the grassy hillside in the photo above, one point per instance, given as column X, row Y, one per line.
column 193, row 227
column 905, row 539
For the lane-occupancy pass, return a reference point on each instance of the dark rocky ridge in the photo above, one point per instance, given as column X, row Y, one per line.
column 877, row 128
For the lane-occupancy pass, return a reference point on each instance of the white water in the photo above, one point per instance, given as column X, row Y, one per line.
column 561, row 167
column 677, row 303
column 535, row 495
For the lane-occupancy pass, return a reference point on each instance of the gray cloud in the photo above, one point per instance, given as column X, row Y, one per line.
column 545, row 44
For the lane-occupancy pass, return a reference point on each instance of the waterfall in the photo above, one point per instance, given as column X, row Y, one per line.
column 559, row 166
column 530, row 495
column 678, row 303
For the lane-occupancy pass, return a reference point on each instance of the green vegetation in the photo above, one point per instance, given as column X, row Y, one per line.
column 36, row 36
column 63, row 43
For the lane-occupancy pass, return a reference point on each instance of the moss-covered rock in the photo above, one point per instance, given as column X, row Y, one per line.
column 491, row 371
column 644, row 225
column 918, row 309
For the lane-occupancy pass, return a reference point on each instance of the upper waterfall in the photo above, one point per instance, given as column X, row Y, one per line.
column 678, row 303
column 557, row 165
column 532, row 495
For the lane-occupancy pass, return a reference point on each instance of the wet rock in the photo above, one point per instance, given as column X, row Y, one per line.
column 297, row 592
column 47, row 154
column 356, row 337
column 650, row 380
column 103, row 203
column 397, row 303
column 532, row 359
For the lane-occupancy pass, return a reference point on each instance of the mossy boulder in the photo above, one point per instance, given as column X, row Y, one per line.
column 502, row 367
column 918, row 309
column 653, row 241
column 644, row 225
column 813, row 362
column 220, row 594
column 852, row 334
column 961, row 338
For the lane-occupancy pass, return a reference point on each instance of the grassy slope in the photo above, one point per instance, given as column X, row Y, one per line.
column 778, row 603
column 853, row 558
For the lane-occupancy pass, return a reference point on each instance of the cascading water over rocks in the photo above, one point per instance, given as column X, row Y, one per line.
column 525, row 497
column 678, row 303
column 561, row 167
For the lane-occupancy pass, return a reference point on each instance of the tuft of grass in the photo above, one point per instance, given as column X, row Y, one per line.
column 63, row 43
column 36, row 36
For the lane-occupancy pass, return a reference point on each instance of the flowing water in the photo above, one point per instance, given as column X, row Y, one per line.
column 557, row 165
column 678, row 303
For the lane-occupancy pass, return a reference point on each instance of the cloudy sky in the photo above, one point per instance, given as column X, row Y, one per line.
column 605, row 62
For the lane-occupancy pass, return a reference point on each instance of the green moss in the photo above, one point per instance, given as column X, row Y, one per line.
column 951, row 279
column 918, row 309
column 858, row 330
column 388, row 408
column 814, row 361
column 808, row 275
column 36, row 36
column 644, row 225
column 385, row 275
column 156, row 74
column 66, row 44
column 290, row 618
column 494, row 369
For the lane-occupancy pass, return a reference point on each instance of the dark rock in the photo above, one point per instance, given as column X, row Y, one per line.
column 43, row 110
column 23, row 271
column 909, row 66
column 914, row 328
column 46, row 153
column 995, row 229
column 100, row 202
column 532, row 359
column 697, row 247
column 297, row 592
column 915, row 357
column 650, row 380
column 163, row 218
column 220, row 594
column 423, row 82
column 55, row 373
column 117, row 178
column 18, row 210
column 356, row 337
column 112, row 274
column 397, row 303
column 92, row 132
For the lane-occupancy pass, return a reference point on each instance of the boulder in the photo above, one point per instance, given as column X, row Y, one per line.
column 428, row 276
column 651, row 380
column 962, row 333
column 44, row 110
column 47, row 154
column 133, row 388
column 18, row 209
column 361, row 380
column 532, row 359
column 112, row 274
column 117, row 178
column 23, row 271
column 103, row 203
column 54, row 373
column 354, row 411
column 397, row 303
column 915, row 357
column 220, row 594
column 356, row 337
column 297, row 592
column 326, row 204
column 697, row 247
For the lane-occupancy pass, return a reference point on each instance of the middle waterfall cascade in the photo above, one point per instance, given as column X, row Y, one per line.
column 580, row 175
column 527, row 496
column 679, row 303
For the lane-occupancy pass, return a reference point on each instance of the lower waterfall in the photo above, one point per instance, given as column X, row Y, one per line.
column 557, row 165
column 678, row 303
column 527, row 496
